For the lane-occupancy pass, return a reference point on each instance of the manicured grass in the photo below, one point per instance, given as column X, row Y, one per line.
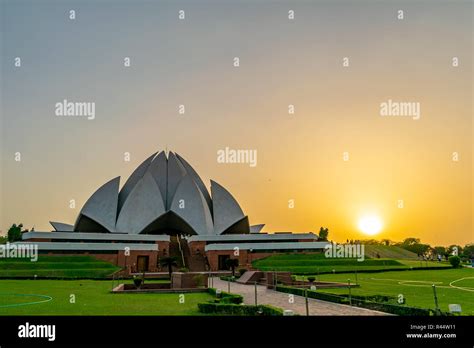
column 92, row 297
column 319, row 263
column 415, row 286
column 57, row 267
column 422, row 264
column 389, row 252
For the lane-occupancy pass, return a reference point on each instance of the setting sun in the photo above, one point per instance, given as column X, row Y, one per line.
column 370, row 225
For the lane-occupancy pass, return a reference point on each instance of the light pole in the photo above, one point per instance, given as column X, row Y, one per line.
column 255, row 293
column 306, row 301
column 350, row 295
column 436, row 299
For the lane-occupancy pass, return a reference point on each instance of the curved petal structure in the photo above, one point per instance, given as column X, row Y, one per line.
column 226, row 210
column 133, row 180
column 61, row 226
column 100, row 209
column 195, row 176
column 176, row 172
column 256, row 228
column 239, row 227
column 190, row 204
column 143, row 205
column 159, row 170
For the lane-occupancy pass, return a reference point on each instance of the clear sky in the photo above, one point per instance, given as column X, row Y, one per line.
column 282, row 62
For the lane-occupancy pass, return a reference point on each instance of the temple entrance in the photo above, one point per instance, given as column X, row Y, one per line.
column 221, row 262
column 142, row 263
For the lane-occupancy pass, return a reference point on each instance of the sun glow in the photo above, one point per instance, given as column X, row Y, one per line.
column 370, row 225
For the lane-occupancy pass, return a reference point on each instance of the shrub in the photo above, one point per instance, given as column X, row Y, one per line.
column 199, row 280
column 454, row 261
column 137, row 281
column 227, row 278
column 268, row 310
column 183, row 269
column 234, row 309
column 242, row 271
column 225, row 297
column 311, row 279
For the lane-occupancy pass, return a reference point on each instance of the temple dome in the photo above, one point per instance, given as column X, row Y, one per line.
column 164, row 195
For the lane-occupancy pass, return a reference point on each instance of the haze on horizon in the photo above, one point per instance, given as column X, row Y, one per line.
column 299, row 62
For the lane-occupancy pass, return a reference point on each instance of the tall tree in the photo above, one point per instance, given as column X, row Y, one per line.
column 440, row 250
column 14, row 233
column 414, row 245
column 323, row 233
column 468, row 251
column 232, row 264
column 169, row 262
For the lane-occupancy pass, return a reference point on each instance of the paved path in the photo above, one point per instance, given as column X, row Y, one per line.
column 280, row 299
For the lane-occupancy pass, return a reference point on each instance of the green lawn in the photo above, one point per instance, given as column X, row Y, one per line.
column 92, row 298
column 318, row 263
column 57, row 266
column 415, row 286
column 389, row 252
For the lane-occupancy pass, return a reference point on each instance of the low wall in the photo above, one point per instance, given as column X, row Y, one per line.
column 130, row 289
column 189, row 280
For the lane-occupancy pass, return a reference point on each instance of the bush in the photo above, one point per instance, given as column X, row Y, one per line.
column 242, row 271
column 311, row 279
column 454, row 261
column 268, row 310
column 137, row 281
column 225, row 297
column 199, row 280
column 234, row 309
column 227, row 278
column 184, row 270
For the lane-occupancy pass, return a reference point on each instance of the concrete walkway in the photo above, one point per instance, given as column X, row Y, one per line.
column 280, row 299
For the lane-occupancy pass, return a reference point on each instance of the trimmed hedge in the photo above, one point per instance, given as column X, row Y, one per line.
column 368, row 302
column 228, row 278
column 239, row 310
column 379, row 270
column 225, row 297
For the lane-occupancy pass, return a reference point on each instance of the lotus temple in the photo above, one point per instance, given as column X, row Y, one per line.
column 165, row 209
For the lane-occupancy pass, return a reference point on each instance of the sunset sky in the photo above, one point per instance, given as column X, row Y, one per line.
column 282, row 62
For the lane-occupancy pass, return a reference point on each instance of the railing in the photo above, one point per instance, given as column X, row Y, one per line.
column 181, row 250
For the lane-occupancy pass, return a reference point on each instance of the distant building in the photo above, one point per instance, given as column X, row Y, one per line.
column 165, row 209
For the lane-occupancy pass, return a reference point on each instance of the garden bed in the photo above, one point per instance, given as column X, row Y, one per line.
column 153, row 288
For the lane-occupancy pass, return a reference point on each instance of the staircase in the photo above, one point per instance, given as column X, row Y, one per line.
column 179, row 248
column 196, row 262
column 175, row 250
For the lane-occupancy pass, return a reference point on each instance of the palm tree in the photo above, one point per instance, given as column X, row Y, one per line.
column 232, row 264
column 169, row 262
